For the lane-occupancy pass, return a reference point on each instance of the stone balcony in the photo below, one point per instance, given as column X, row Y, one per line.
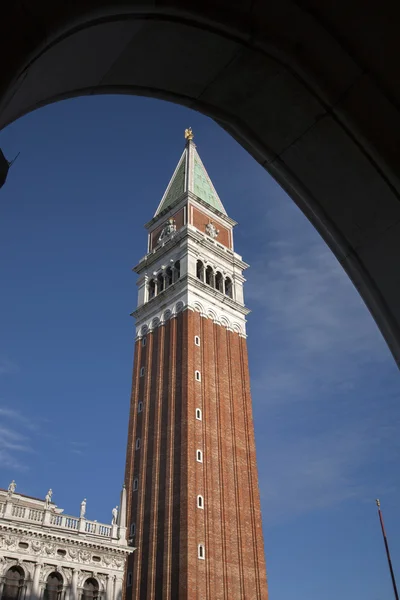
column 18, row 509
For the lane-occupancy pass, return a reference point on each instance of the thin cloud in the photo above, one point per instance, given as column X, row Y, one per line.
column 319, row 342
column 78, row 447
column 13, row 438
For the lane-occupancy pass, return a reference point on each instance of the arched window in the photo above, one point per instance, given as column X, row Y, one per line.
column 160, row 283
column 228, row 287
column 135, row 484
column 54, row 587
column 140, row 407
column 200, row 502
column 199, row 456
column 152, row 289
column 90, row 589
column 13, row 584
column 168, row 279
column 198, row 414
column 209, row 276
column 200, row 270
column 219, row 282
column 177, row 269
column 137, row 443
column 201, row 552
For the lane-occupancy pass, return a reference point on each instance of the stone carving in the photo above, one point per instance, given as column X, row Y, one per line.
column 48, row 498
column 83, row 509
column 12, row 487
column 50, row 549
column 169, row 228
column 84, row 555
column 107, row 560
column 9, row 542
column 118, row 562
column 73, row 553
column 212, row 231
column 114, row 516
column 36, row 546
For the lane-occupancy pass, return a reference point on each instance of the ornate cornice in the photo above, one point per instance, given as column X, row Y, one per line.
column 48, row 537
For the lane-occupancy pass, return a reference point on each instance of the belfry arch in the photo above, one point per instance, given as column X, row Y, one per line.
column 311, row 96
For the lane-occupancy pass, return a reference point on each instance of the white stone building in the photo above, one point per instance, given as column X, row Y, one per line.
column 47, row 554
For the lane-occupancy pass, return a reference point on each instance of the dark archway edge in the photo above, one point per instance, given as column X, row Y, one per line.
column 310, row 91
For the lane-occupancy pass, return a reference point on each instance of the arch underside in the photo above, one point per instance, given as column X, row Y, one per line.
column 307, row 89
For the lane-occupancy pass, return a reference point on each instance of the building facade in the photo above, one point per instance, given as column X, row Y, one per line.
column 45, row 554
column 191, row 474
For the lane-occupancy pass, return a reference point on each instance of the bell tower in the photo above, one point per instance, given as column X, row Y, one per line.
column 191, row 475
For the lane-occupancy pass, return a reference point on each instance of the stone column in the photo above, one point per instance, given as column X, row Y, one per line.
column 74, row 584
column 82, row 525
column 118, row 588
column 36, row 582
column 122, row 517
column 1, row 586
column 47, row 516
column 109, row 588
column 8, row 508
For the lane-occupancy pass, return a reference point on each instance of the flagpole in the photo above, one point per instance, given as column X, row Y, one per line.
column 396, row 595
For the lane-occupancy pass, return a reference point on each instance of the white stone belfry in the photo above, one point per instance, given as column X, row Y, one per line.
column 191, row 263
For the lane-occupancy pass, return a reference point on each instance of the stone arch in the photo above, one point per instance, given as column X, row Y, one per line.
column 236, row 327
column 211, row 314
column 15, row 578
column 16, row 563
column 198, row 307
column 200, row 269
column 155, row 322
column 167, row 315
column 54, row 585
column 144, row 330
column 179, row 307
column 91, row 589
column 225, row 321
column 228, row 287
column 313, row 132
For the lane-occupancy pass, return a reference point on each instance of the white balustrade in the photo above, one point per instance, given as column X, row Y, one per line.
column 104, row 530
column 57, row 520
column 71, row 523
column 49, row 518
column 90, row 527
column 18, row 511
column 35, row 515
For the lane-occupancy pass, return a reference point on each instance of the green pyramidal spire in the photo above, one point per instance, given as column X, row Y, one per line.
column 190, row 175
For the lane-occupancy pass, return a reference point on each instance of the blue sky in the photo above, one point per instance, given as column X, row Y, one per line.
column 325, row 388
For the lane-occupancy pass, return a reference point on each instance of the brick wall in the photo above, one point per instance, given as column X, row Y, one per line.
column 200, row 221
column 169, row 526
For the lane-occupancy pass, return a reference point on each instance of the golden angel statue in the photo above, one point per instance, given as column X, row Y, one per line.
column 189, row 135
